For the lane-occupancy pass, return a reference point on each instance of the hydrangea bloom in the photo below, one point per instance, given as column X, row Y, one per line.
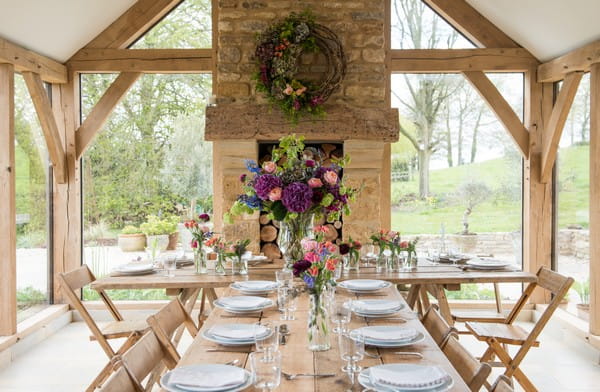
column 297, row 197
column 265, row 184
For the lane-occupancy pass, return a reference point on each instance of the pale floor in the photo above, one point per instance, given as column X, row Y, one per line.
column 68, row 361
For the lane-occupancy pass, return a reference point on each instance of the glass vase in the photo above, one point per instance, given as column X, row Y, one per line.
column 291, row 232
column 200, row 260
column 381, row 262
column 220, row 264
column 412, row 260
column 351, row 262
column 318, row 331
column 239, row 265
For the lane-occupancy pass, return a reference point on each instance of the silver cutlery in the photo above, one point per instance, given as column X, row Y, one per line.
column 224, row 350
column 409, row 353
column 291, row 376
column 241, row 316
column 373, row 319
column 284, row 332
column 233, row 363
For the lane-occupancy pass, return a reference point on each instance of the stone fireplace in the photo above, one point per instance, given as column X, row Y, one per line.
column 358, row 116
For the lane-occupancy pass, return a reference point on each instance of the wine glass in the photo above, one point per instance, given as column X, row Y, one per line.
column 284, row 278
column 170, row 264
column 266, row 370
column 352, row 350
column 266, row 337
column 340, row 314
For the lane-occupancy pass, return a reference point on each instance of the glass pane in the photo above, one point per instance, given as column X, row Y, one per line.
column 187, row 26
column 456, row 174
column 150, row 159
column 31, row 174
column 573, row 189
column 416, row 26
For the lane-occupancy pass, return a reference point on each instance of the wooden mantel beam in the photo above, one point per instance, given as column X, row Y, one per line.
column 142, row 60
column 458, row 60
column 43, row 108
column 577, row 60
column 558, row 118
column 501, row 108
column 28, row 61
column 99, row 114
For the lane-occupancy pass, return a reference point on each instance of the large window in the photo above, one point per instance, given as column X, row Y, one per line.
column 572, row 249
column 31, row 174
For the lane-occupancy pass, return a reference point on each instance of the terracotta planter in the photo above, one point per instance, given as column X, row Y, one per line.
column 583, row 311
column 173, row 241
column 132, row 242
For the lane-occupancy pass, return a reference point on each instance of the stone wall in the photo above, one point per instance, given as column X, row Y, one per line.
column 574, row 243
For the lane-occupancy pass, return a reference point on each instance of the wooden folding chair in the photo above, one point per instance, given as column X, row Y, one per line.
column 473, row 372
column 497, row 334
column 75, row 280
column 138, row 363
column 437, row 327
column 503, row 384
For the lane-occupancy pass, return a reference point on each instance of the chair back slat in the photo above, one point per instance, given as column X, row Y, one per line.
column 503, row 384
column 78, row 278
column 437, row 327
column 144, row 355
column 551, row 281
column 119, row 381
column 473, row 372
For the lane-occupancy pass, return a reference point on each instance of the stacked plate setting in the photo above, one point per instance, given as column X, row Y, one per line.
column 388, row 335
column 206, row 378
column 235, row 334
column 364, row 285
column 255, row 287
column 241, row 304
column 376, row 307
column 397, row 377
column 488, row 264
column 133, row 269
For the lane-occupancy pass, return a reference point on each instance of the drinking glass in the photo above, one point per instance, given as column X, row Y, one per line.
column 433, row 255
column 269, row 342
column 284, row 278
column 287, row 302
column 352, row 350
column 266, row 370
column 337, row 273
column 340, row 314
column 170, row 264
column 403, row 259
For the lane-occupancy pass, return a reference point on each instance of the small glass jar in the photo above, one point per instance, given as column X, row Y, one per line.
column 220, row 264
column 239, row 265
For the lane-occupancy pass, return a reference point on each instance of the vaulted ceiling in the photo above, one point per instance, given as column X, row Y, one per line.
column 58, row 28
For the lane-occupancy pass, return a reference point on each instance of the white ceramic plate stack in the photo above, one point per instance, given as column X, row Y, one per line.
column 376, row 307
column 241, row 304
column 133, row 269
column 388, row 335
column 234, row 334
column 398, row 377
column 364, row 285
column 206, row 378
column 488, row 264
column 255, row 287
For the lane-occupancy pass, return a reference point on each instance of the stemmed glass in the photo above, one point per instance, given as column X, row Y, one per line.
column 287, row 301
column 340, row 314
column 352, row 350
column 266, row 370
column 284, row 278
column 266, row 338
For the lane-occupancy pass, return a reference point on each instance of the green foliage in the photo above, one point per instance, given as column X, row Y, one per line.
column 582, row 288
column 131, row 230
column 471, row 291
column 29, row 296
column 126, row 295
column 157, row 226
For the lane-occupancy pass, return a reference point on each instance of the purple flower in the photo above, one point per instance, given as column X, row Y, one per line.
column 242, row 178
column 310, row 281
column 297, row 197
column 296, row 104
column 344, row 249
column 316, row 101
column 317, row 196
column 265, row 184
column 204, row 217
column 310, row 163
column 301, row 266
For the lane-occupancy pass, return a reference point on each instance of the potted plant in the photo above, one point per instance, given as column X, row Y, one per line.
column 161, row 231
column 131, row 239
column 582, row 288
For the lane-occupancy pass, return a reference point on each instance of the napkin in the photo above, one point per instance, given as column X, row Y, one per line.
column 376, row 305
column 419, row 377
column 364, row 284
column 189, row 376
column 237, row 333
column 242, row 302
column 389, row 334
column 257, row 285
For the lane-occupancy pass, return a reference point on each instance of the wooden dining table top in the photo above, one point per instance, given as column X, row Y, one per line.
column 297, row 358
column 425, row 273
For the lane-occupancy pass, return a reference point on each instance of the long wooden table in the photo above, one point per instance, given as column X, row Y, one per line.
column 298, row 359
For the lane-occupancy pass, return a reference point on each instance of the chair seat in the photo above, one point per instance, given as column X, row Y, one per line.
column 122, row 329
column 503, row 333
column 484, row 316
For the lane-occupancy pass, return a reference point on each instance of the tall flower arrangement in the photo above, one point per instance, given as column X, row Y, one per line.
column 319, row 262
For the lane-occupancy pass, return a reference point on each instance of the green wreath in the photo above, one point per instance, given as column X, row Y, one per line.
column 278, row 51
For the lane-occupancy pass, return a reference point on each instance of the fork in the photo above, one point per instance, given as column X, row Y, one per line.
column 409, row 353
column 291, row 376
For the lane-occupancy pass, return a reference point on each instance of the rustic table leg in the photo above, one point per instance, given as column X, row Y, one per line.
column 438, row 292
column 413, row 295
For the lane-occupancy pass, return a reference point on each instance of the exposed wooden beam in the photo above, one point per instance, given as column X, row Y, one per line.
column 501, row 108
column 28, row 61
column 553, row 131
column 8, row 230
column 577, row 60
column 143, row 60
column 471, row 23
column 43, row 108
column 138, row 19
column 594, row 197
column 99, row 114
column 458, row 60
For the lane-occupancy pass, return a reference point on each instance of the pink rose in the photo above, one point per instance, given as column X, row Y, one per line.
column 275, row 194
column 288, row 90
column 270, row 166
column 300, row 91
column 331, row 247
column 194, row 244
column 309, row 245
column 312, row 257
column 331, row 177
column 315, row 183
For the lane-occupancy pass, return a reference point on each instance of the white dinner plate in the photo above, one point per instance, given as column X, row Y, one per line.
column 375, row 307
column 488, row 263
column 364, row 378
column 364, row 285
column 419, row 337
column 134, row 268
column 209, row 368
column 235, row 304
column 254, row 286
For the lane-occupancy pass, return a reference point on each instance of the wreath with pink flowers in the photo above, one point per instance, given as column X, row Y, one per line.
column 278, row 52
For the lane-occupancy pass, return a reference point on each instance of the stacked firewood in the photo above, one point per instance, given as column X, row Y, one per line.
column 269, row 229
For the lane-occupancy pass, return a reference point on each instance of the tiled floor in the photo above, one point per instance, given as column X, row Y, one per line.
column 68, row 361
